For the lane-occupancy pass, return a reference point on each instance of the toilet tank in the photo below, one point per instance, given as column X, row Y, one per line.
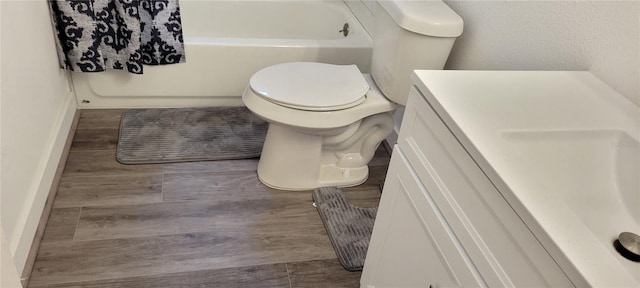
column 410, row 35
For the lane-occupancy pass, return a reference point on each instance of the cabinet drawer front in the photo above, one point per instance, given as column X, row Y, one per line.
column 501, row 246
column 411, row 245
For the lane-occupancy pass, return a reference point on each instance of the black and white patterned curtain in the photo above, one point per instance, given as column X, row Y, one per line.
column 94, row 35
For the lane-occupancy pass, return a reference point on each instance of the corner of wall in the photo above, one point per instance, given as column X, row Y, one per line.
column 364, row 11
column 392, row 139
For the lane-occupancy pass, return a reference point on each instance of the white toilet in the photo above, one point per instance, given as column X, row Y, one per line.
column 326, row 121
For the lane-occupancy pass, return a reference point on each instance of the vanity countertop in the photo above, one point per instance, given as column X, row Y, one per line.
column 562, row 148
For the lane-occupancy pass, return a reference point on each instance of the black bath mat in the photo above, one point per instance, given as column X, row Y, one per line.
column 189, row 134
column 349, row 227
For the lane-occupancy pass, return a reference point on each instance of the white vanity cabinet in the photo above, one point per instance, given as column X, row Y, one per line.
column 441, row 221
column 413, row 245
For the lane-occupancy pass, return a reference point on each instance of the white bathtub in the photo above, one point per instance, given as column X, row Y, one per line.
column 226, row 42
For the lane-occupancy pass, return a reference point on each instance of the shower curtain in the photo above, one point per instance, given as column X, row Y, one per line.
column 94, row 35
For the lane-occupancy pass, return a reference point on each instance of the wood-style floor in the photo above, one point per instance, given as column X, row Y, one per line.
column 199, row 224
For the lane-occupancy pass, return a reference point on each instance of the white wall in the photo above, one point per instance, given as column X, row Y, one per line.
column 36, row 112
column 602, row 37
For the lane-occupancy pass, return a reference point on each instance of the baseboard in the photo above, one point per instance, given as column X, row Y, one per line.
column 8, row 274
column 33, row 220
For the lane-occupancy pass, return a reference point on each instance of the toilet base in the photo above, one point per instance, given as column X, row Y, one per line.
column 329, row 176
column 292, row 160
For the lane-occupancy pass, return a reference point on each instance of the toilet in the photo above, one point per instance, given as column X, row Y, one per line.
column 326, row 121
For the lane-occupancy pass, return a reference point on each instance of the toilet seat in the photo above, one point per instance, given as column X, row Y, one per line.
column 270, row 111
column 311, row 86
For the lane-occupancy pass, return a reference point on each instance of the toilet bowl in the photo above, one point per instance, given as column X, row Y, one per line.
column 327, row 134
column 326, row 121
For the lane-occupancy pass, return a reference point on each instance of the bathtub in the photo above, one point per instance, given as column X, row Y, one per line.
column 226, row 42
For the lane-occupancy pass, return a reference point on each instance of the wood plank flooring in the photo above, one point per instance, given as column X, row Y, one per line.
column 198, row 224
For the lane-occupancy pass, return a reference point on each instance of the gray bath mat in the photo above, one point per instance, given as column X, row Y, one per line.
column 189, row 134
column 349, row 227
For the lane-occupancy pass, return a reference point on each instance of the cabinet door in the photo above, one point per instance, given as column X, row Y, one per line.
column 411, row 244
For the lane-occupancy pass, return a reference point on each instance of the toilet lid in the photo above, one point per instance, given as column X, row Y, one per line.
column 311, row 86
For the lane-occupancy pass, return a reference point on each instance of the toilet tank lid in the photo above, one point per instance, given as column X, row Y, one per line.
column 430, row 17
